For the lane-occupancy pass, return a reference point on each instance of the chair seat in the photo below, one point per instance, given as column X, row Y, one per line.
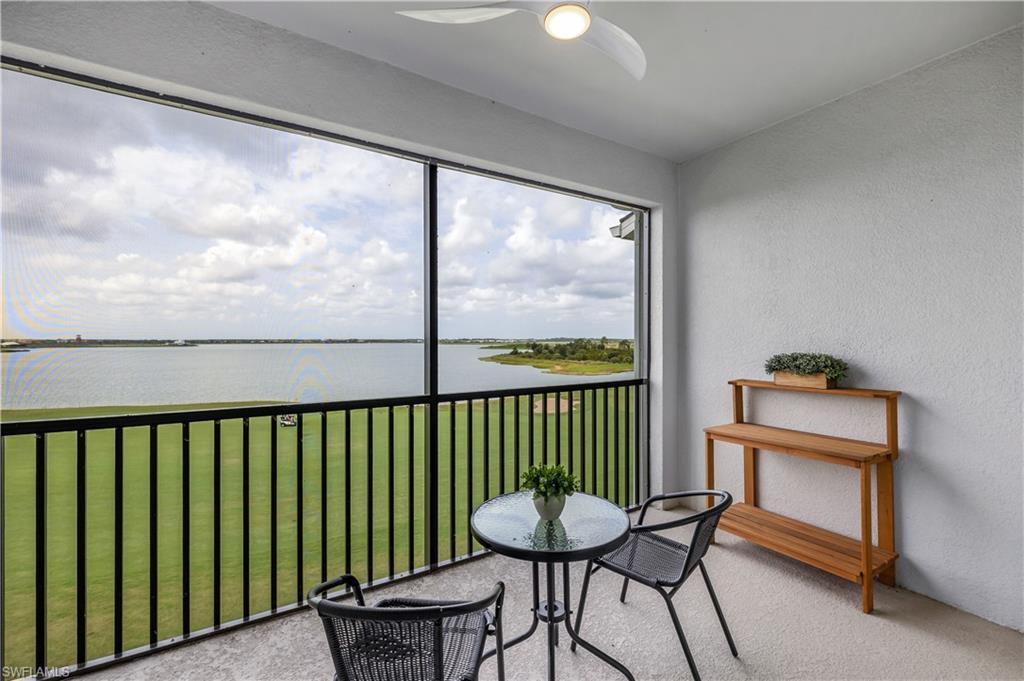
column 648, row 558
column 393, row 653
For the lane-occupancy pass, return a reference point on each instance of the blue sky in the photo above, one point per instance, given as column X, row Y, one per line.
column 128, row 219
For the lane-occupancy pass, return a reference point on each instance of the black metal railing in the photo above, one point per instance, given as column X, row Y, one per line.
column 122, row 535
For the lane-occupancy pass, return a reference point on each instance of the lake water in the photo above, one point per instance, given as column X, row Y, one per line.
column 78, row 377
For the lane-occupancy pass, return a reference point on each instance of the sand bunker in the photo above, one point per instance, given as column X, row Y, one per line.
column 563, row 404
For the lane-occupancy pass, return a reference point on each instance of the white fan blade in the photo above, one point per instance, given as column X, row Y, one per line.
column 474, row 15
column 617, row 44
column 461, row 15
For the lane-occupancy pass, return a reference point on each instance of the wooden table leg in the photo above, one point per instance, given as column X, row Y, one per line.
column 709, row 470
column 886, row 519
column 750, row 476
column 709, row 467
column 867, row 578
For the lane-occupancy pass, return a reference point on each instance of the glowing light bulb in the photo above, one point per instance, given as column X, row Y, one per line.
column 567, row 21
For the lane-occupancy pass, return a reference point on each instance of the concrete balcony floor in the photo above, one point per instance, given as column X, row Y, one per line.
column 789, row 621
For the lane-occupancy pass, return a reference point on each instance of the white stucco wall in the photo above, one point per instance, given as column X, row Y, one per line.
column 202, row 52
column 885, row 228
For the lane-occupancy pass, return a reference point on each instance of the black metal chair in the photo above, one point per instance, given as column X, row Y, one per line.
column 665, row 564
column 408, row 639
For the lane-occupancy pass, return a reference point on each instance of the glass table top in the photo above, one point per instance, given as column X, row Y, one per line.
column 588, row 527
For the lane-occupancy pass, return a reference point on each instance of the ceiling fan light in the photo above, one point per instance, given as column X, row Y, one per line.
column 567, row 21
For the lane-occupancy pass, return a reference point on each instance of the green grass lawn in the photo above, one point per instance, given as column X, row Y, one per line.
column 18, row 599
column 562, row 366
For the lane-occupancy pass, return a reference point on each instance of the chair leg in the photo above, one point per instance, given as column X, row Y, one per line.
column 682, row 637
column 625, row 584
column 583, row 601
column 499, row 639
column 718, row 609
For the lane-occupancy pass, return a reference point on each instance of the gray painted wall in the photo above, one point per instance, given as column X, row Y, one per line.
column 885, row 228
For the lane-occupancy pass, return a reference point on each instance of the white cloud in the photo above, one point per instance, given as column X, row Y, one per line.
column 469, row 229
column 235, row 261
column 456, row 274
column 376, row 258
column 232, row 230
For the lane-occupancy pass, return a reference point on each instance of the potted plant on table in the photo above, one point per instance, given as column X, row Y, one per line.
column 806, row 369
column 550, row 486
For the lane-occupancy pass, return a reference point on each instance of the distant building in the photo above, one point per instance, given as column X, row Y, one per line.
column 78, row 338
column 626, row 229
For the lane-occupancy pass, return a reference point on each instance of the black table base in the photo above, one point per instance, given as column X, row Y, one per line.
column 560, row 612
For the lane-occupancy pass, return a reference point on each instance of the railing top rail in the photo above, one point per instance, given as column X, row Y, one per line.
column 35, row 427
column 512, row 392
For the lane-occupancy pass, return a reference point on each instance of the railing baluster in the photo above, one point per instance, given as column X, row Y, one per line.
column 629, row 458
column 501, row 445
column 544, row 428
column 568, row 425
column 558, row 428
column 80, row 551
column 487, row 450
column 515, row 443
column 615, row 431
column 118, row 541
column 185, row 541
column 246, row 564
column 391, row 492
column 412, row 488
column 451, row 479
column 583, row 439
column 636, row 446
column 323, row 496
column 469, row 475
column 40, row 550
column 348, row 492
column 273, row 513
column 3, row 550
column 216, row 522
column 593, row 443
column 604, row 441
column 529, row 430
column 369, row 496
column 299, row 595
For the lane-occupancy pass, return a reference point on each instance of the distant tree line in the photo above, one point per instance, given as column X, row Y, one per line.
column 581, row 349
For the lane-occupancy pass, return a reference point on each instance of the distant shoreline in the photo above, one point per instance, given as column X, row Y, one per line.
column 26, row 344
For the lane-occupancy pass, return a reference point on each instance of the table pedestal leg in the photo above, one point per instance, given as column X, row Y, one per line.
column 552, row 612
column 608, row 659
column 552, row 624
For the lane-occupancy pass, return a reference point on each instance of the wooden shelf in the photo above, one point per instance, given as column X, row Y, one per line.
column 797, row 443
column 847, row 392
column 834, row 553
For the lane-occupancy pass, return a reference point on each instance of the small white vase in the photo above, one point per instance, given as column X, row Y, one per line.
column 549, row 508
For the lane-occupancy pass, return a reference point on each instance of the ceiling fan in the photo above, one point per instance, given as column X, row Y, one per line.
column 562, row 20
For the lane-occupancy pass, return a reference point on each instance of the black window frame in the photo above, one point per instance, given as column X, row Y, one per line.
column 430, row 163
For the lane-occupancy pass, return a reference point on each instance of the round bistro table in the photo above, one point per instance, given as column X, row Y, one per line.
column 588, row 527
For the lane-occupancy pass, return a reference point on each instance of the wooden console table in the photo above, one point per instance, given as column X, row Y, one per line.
column 856, row 560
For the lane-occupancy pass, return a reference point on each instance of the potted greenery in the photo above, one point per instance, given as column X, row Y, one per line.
column 550, row 486
column 806, row 369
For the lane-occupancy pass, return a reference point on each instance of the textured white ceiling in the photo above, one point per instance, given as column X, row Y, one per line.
column 716, row 71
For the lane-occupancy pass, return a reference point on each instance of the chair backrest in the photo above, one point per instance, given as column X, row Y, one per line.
column 372, row 650
column 704, row 531
column 402, row 638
